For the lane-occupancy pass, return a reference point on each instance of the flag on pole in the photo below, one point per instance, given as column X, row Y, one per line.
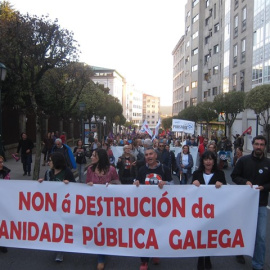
column 157, row 128
column 146, row 128
column 248, row 131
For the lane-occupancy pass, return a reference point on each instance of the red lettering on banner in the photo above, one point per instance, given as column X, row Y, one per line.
column 33, row 231
column 143, row 201
column 221, row 239
column 180, row 208
column 108, row 202
column 212, row 239
column 111, row 236
column 136, row 240
column 68, row 233
column 90, row 205
column 151, row 240
column 238, row 239
column 45, row 233
column 130, row 237
column 100, row 208
column 189, row 240
column 199, row 239
column 198, row 210
column 87, row 234
column 4, row 230
column 132, row 212
column 80, row 205
column 119, row 205
column 57, row 233
column 38, row 201
column 121, row 242
column 179, row 242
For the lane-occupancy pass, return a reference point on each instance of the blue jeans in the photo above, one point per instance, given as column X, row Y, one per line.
column 259, row 250
column 80, row 168
column 230, row 156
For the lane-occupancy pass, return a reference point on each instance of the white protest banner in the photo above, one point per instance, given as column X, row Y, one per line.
column 145, row 221
column 179, row 125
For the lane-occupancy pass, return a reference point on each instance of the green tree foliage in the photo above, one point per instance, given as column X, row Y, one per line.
column 206, row 113
column 31, row 46
column 61, row 89
column 167, row 123
column 258, row 100
column 231, row 104
column 190, row 114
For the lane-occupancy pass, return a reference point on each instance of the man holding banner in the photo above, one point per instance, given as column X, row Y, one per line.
column 254, row 169
column 153, row 173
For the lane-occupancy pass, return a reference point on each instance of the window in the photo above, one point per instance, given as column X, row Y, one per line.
column 195, row 51
column 195, row 35
column 206, row 58
column 186, row 104
column 195, row 2
column 194, row 84
column 236, row 26
column 235, row 48
column 187, row 89
column 216, row 27
column 214, row 91
column 207, row 21
column 215, row 11
column 236, row 4
column 206, row 3
column 195, row 18
column 243, row 50
column 244, row 18
column 216, row 49
column 194, row 68
column 188, row 43
column 207, row 40
column 193, row 101
column 234, row 81
column 215, row 70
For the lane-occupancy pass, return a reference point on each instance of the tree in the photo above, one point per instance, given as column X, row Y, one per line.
column 32, row 46
column 167, row 123
column 206, row 113
column 258, row 100
column 189, row 113
column 231, row 104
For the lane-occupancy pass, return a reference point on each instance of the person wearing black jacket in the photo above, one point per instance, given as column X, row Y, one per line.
column 208, row 174
column 254, row 169
column 25, row 145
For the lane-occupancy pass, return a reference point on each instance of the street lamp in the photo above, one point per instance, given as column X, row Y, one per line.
column 3, row 73
column 82, row 108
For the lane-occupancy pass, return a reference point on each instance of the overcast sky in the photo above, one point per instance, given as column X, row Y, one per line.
column 134, row 37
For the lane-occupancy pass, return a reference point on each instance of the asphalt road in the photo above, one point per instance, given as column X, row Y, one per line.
column 26, row 259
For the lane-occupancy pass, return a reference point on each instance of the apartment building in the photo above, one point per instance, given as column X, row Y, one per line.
column 226, row 48
column 134, row 104
column 113, row 80
column 151, row 110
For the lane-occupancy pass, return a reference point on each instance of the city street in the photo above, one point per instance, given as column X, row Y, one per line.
column 25, row 259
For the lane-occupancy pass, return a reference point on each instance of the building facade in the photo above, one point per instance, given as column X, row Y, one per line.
column 151, row 110
column 226, row 48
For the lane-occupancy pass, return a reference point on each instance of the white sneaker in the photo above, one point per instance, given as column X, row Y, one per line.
column 59, row 257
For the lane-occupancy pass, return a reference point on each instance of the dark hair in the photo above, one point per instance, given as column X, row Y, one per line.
column 259, row 137
column 208, row 155
column 58, row 161
column 103, row 161
column 78, row 142
column 187, row 147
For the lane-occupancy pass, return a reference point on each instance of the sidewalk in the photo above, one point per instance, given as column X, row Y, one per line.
column 17, row 168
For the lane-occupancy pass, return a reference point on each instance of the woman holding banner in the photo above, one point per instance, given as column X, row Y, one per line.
column 101, row 172
column 208, row 174
column 58, row 172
